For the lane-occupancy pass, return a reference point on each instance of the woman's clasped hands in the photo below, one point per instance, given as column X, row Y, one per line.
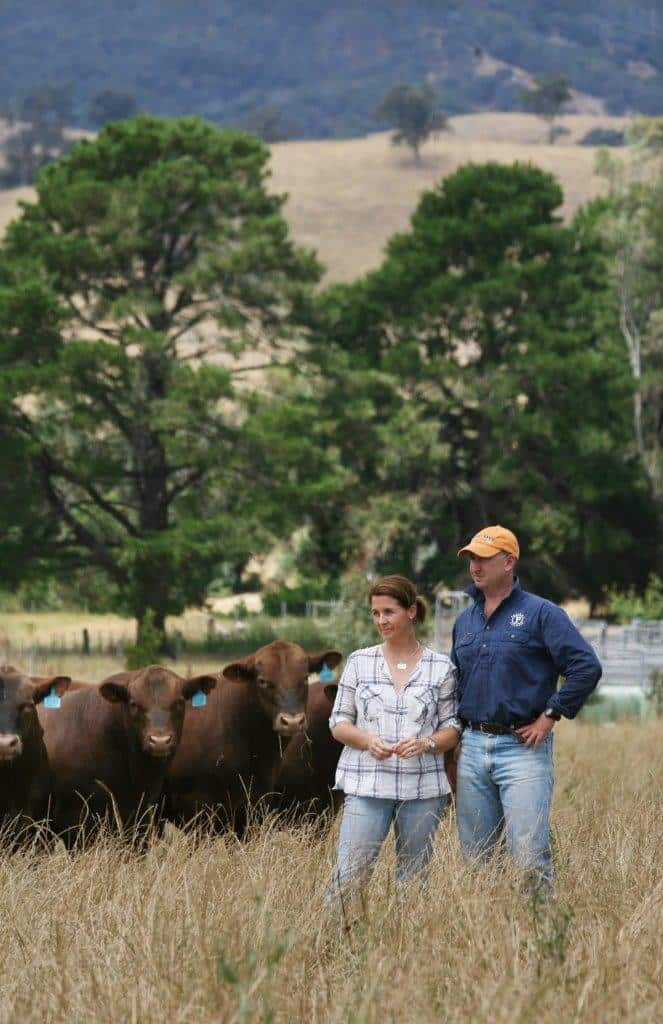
column 409, row 747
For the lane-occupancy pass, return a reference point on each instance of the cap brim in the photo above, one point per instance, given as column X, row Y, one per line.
column 477, row 548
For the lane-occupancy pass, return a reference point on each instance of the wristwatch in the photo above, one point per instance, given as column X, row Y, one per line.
column 551, row 713
column 429, row 743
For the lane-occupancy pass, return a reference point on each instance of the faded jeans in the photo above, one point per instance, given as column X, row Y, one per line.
column 364, row 827
column 504, row 789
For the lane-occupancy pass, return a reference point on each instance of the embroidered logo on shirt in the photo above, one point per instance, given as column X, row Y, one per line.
column 517, row 618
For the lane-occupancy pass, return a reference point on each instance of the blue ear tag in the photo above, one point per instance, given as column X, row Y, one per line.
column 199, row 699
column 326, row 674
column 51, row 700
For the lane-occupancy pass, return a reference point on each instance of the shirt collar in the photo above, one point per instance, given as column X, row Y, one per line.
column 479, row 597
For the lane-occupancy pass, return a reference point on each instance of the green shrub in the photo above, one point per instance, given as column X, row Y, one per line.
column 626, row 605
column 603, row 137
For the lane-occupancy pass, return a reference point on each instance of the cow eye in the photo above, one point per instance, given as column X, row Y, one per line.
column 263, row 683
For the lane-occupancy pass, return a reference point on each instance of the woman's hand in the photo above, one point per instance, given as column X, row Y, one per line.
column 378, row 749
column 410, row 747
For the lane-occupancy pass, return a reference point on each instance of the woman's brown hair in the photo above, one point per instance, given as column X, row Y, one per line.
column 403, row 591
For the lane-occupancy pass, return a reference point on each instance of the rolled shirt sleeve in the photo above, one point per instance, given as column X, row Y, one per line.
column 573, row 657
column 345, row 707
column 447, row 703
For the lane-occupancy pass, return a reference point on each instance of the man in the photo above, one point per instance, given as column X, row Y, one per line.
column 510, row 647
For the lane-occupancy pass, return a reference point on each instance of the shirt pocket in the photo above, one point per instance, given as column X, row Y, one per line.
column 420, row 705
column 464, row 650
column 514, row 636
column 370, row 702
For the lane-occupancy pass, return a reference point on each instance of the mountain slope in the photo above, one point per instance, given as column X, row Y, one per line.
column 327, row 65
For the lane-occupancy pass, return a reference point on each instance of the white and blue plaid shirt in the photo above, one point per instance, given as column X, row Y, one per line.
column 367, row 698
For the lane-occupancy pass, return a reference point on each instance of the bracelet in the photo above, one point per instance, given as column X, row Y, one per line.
column 429, row 745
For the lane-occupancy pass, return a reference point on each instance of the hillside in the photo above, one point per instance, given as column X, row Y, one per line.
column 324, row 67
column 346, row 197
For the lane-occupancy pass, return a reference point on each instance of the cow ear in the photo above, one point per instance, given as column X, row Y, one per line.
column 240, row 671
column 331, row 689
column 330, row 658
column 114, row 689
column 196, row 684
column 58, row 684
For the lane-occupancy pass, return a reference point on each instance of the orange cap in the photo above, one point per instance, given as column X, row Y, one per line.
column 490, row 540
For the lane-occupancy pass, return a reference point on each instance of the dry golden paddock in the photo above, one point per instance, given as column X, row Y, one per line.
column 347, row 197
column 210, row 930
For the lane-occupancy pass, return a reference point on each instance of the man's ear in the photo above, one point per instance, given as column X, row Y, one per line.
column 114, row 689
column 331, row 689
column 330, row 658
column 243, row 671
column 205, row 683
column 59, row 684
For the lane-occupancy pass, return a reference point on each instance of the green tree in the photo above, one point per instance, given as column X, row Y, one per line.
column 478, row 376
column 270, row 124
column 152, row 271
column 547, row 99
column 38, row 121
column 111, row 105
column 631, row 221
column 413, row 113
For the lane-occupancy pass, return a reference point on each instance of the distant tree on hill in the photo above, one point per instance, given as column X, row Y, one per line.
column 413, row 113
column 547, row 99
column 39, row 120
column 111, row 105
column 270, row 124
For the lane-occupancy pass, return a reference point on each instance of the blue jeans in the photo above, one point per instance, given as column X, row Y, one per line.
column 504, row 789
column 364, row 827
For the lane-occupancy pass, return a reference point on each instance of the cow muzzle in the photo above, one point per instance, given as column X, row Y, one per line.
column 11, row 746
column 290, row 725
column 160, row 744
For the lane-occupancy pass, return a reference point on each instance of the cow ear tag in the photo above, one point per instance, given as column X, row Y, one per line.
column 326, row 674
column 52, row 700
column 199, row 699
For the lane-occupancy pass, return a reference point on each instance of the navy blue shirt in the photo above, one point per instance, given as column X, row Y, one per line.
column 508, row 665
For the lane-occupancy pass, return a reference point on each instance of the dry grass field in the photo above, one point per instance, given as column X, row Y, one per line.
column 209, row 930
column 348, row 197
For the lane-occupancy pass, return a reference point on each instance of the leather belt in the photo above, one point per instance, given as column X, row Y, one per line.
column 494, row 728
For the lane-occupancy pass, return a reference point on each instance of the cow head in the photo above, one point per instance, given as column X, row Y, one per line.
column 19, row 696
column 154, row 701
column 279, row 673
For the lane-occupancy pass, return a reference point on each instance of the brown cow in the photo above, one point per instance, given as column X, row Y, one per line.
column 25, row 775
column 306, row 779
column 231, row 751
column 110, row 747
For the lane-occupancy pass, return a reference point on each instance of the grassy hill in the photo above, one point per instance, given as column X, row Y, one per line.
column 347, row 197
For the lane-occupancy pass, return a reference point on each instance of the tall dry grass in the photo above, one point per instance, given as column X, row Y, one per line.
column 214, row 930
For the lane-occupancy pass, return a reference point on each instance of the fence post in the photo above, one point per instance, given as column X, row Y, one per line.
column 86, row 641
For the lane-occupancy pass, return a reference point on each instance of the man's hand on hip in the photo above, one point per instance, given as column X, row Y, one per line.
column 535, row 733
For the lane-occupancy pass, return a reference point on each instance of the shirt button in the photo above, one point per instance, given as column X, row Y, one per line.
column 484, row 645
column 487, row 627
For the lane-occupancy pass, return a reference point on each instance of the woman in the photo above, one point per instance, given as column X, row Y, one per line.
column 395, row 713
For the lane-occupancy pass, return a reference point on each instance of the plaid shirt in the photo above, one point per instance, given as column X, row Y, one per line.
column 367, row 698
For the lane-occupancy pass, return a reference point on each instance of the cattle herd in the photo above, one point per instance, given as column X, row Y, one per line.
column 146, row 746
